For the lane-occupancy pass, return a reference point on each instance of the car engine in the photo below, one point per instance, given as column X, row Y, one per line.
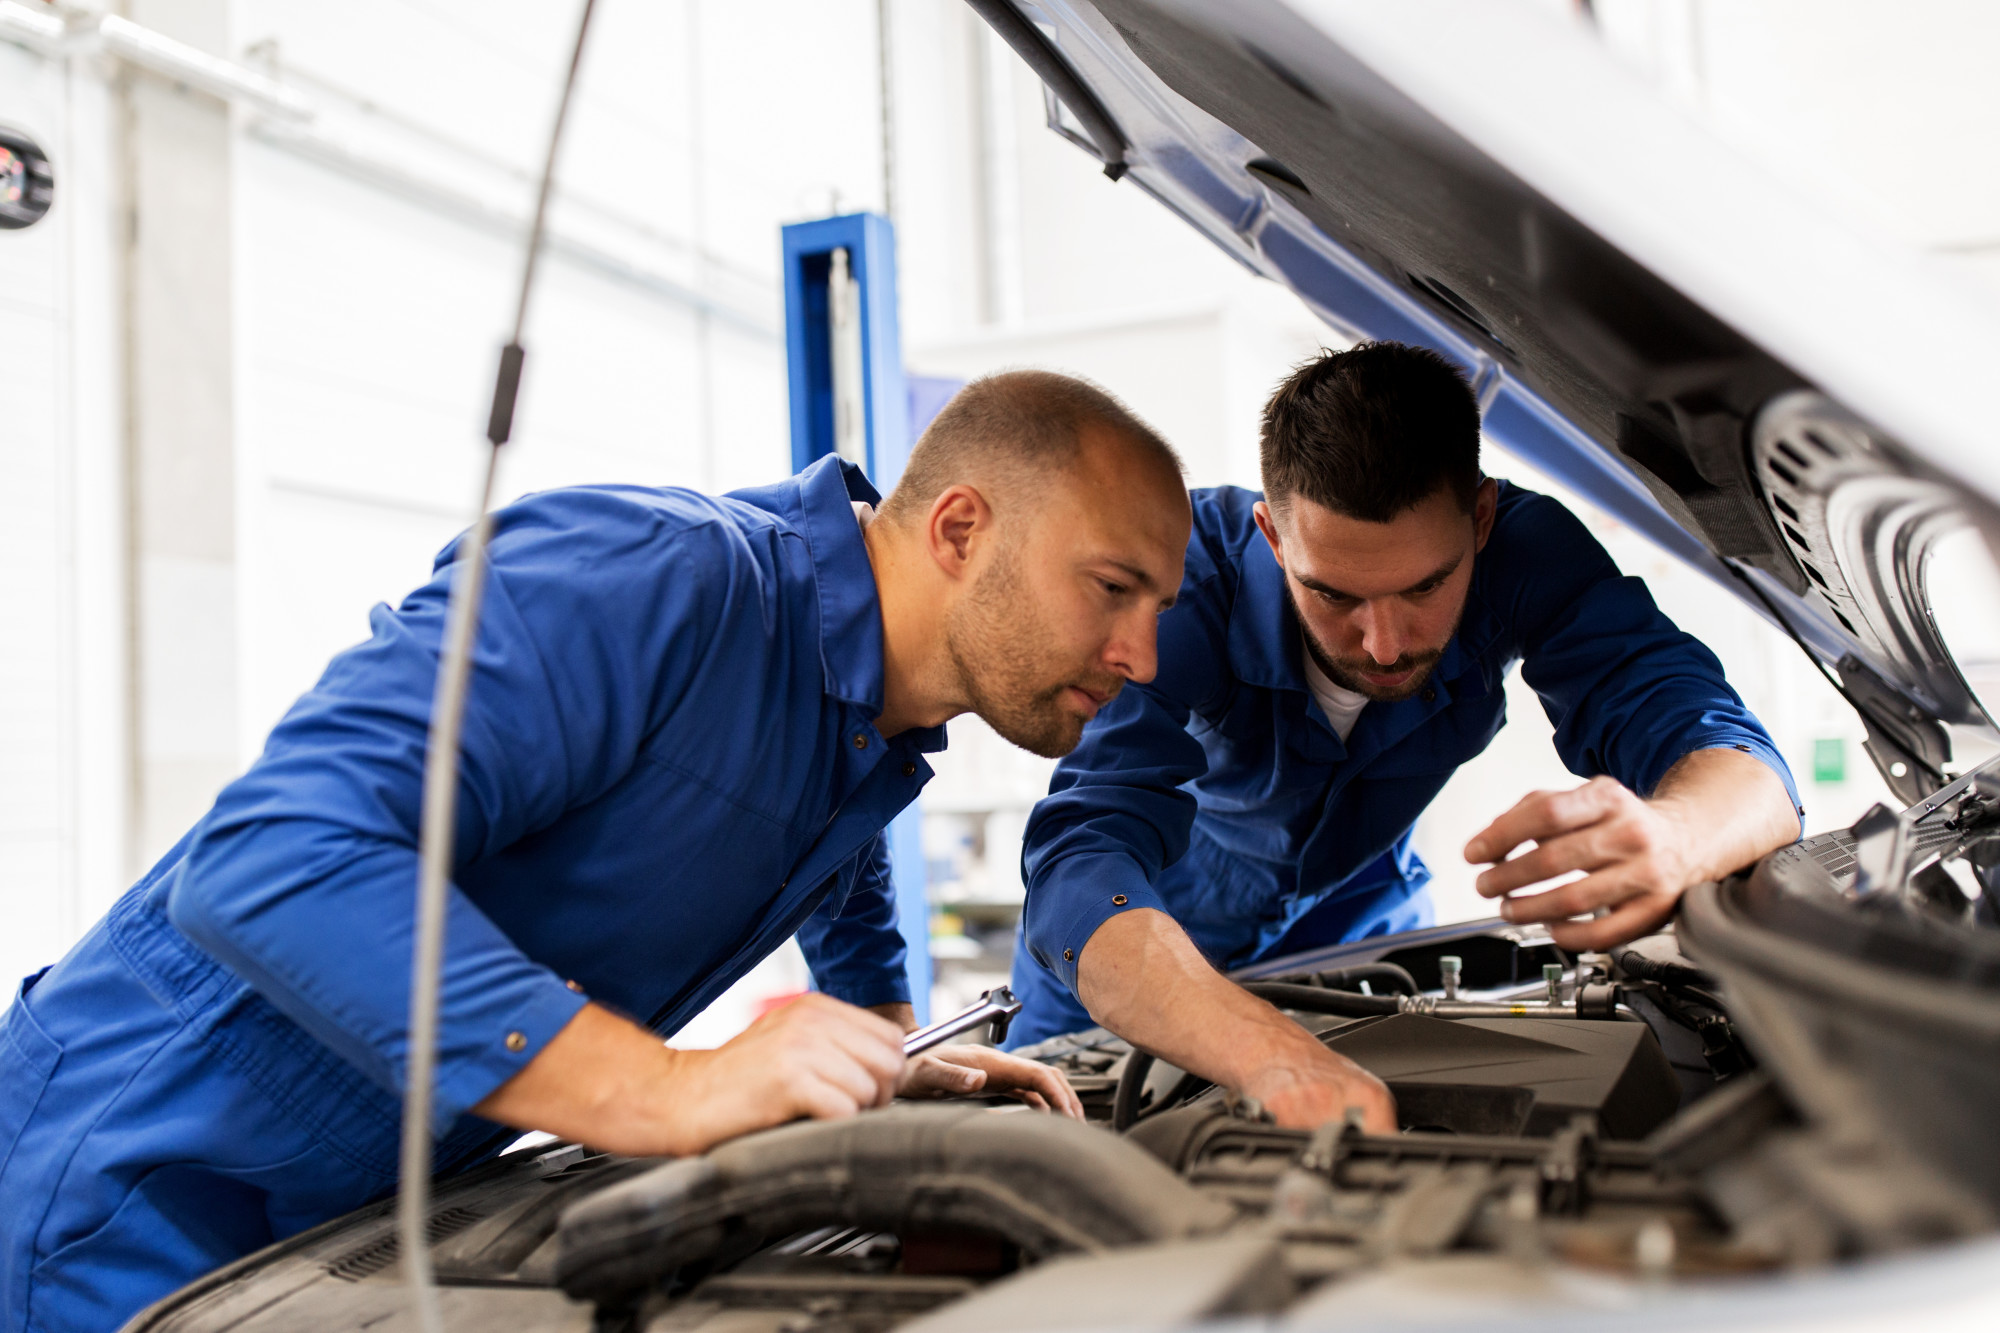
column 1812, row 1081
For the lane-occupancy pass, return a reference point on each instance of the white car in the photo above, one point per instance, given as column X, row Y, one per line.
column 1783, row 1113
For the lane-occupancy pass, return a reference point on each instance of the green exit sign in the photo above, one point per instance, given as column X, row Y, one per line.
column 1830, row 760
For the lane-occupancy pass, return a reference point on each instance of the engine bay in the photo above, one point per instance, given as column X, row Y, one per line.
column 1787, row 1094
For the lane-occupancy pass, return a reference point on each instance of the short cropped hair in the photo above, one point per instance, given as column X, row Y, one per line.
column 1009, row 427
column 1371, row 431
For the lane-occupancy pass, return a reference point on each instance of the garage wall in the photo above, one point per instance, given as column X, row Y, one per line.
column 177, row 569
column 372, row 311
column 64, row 750
column 209, row 474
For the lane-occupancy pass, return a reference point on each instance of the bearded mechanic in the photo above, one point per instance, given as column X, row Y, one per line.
column 691, row 719
column 1337, row 651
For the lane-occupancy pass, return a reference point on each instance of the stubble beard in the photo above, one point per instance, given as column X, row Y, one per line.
column 1349, row 677
column 1004, row 662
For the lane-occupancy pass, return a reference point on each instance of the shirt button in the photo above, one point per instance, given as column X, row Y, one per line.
column 1117, row 900
column 909, row 770
column 517, row 1042
column 860, row 741
column 1430, row 695
column 573, row 986
column 1069, row 955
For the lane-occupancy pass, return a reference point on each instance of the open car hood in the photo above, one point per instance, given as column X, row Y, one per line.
column 1789, row 404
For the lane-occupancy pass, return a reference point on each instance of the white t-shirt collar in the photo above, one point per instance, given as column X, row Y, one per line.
column 1341, row 706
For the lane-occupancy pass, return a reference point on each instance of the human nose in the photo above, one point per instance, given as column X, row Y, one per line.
column 1134, row 648
column 1382, row 633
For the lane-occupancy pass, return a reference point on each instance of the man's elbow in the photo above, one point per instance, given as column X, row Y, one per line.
column 1123, row 956
column 1784, row 817
column 212, row 898
column 200, row 912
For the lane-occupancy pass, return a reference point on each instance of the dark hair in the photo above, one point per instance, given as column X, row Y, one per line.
column 1371, row 431
column 1008, row 427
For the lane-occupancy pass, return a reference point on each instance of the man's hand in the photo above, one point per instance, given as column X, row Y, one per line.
column 1306, row 1087
column 815, row 1058
column 1634, row 856
column 609, row 1083
column 1715, row 811
column 966, row 1071
column 1142, row 977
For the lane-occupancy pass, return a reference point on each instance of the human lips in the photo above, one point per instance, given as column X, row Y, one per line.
column 1087, row 701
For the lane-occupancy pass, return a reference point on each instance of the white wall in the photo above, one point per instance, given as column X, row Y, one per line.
column 372, row 315
column 373, row 262
column 63, row 740
column 1886, row 107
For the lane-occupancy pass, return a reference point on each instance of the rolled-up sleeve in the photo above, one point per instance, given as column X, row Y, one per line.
column 302, row 878
column 1629, row 693
column 1100, row 838
column 854, row 947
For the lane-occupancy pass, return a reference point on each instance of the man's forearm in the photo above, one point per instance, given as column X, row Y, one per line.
column 1732, row 806
column 1141, row 977
column 595, row 1082
column 609, row 1083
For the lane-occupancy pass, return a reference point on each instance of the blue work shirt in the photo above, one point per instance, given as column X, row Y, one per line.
column 670, row 767
column 1220, row 794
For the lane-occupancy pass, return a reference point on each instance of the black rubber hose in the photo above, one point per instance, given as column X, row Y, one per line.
column 1131, row 1082
column 1391, row 975
column 1703, row 996
column 1640, row 967
column 1314, row 1000
column 1044, row 1184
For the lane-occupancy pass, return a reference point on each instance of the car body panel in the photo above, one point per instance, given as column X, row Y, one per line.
column 1626, row 293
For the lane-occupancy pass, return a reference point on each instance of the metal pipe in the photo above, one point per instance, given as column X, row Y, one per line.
column 39, row 31
column 1346, row 1004
column 315, row 145
column 289, row 120
column 196, row 68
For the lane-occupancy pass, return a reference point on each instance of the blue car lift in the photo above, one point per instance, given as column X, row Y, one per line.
column 844, row 362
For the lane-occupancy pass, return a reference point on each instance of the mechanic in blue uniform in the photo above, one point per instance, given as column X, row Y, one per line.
column 1337, row 651
column 691, row 719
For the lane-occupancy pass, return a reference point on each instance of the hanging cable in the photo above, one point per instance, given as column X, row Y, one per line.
column 440, row 801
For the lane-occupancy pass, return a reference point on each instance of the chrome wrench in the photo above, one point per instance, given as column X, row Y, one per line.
column 996, row 1006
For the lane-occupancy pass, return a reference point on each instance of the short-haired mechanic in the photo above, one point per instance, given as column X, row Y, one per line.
column 691, row 718
column 1337, row 651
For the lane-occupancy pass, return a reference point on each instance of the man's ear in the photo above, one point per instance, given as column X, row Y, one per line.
column 959, row 521
column 1267, row 524
column 1484, row 505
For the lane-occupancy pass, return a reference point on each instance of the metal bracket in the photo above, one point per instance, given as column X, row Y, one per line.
column 1909, row 747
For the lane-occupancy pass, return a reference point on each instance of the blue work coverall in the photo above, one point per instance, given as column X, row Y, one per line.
column 1219, row 793
column 670, row 767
